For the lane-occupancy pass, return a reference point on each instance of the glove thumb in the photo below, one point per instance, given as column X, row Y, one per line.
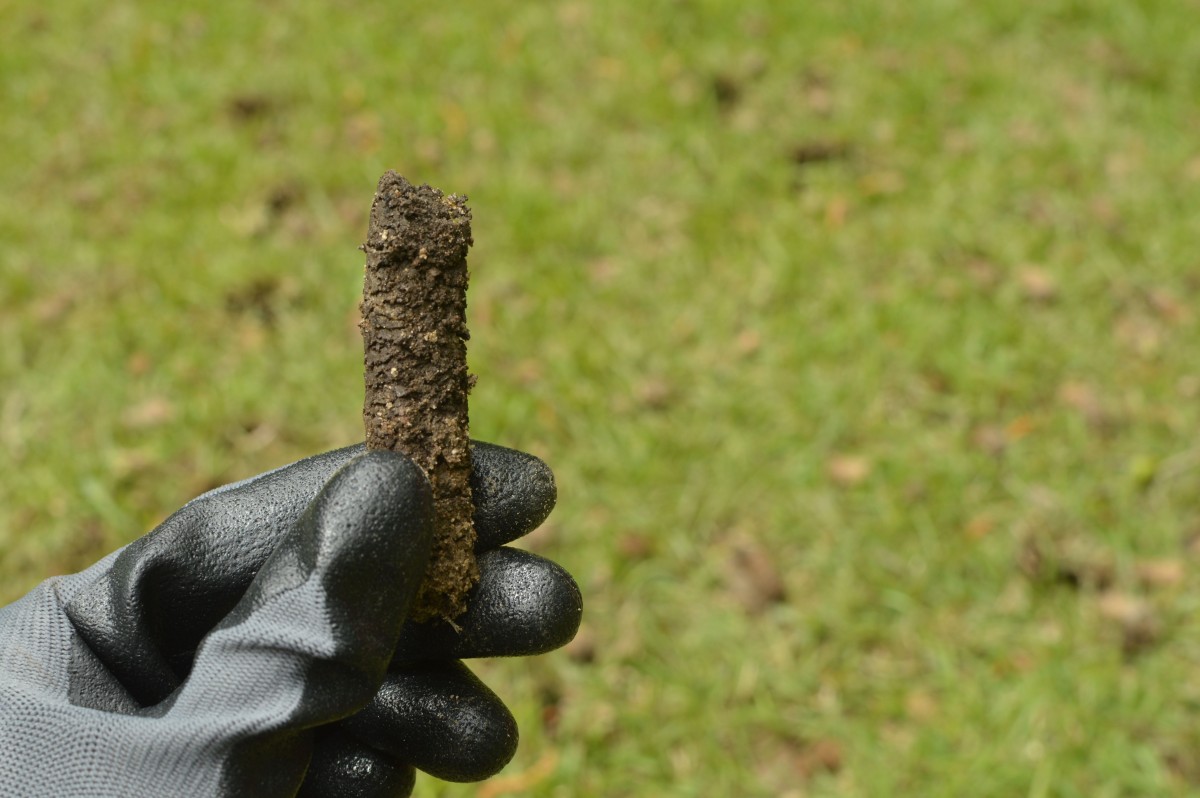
column 311, row 639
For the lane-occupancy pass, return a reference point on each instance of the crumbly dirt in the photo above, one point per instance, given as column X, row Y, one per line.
column 415, row 366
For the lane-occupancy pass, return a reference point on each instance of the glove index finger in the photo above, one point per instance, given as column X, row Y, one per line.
column 513, row 492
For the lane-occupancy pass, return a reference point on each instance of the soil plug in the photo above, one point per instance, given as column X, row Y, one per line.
column 414, row 332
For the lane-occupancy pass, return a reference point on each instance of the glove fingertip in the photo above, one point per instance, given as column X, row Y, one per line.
column 440, row 717
column 514, row 492
column 343, row 767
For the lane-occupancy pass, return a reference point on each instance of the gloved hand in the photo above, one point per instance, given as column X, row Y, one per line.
column 255, row 643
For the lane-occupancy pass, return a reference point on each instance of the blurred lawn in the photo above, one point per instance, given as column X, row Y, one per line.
column 862, row 339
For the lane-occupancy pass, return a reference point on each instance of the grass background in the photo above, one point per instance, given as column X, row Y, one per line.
column 861, row 338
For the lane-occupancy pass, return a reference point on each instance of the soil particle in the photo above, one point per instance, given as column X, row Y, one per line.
column 415, row 369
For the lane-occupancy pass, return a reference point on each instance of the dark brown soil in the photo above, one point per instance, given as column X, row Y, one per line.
column 415, row 366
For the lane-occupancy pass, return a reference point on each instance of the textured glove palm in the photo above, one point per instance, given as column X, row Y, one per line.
column 255, row 643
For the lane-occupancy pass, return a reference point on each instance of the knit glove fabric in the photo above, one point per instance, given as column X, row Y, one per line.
column 256, row 643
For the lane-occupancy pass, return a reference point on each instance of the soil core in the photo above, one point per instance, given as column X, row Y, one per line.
column 414, row 332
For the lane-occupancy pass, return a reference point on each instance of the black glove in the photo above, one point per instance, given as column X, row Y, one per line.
column 255, row 643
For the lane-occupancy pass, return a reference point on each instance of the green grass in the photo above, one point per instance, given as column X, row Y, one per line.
column 961, row 333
